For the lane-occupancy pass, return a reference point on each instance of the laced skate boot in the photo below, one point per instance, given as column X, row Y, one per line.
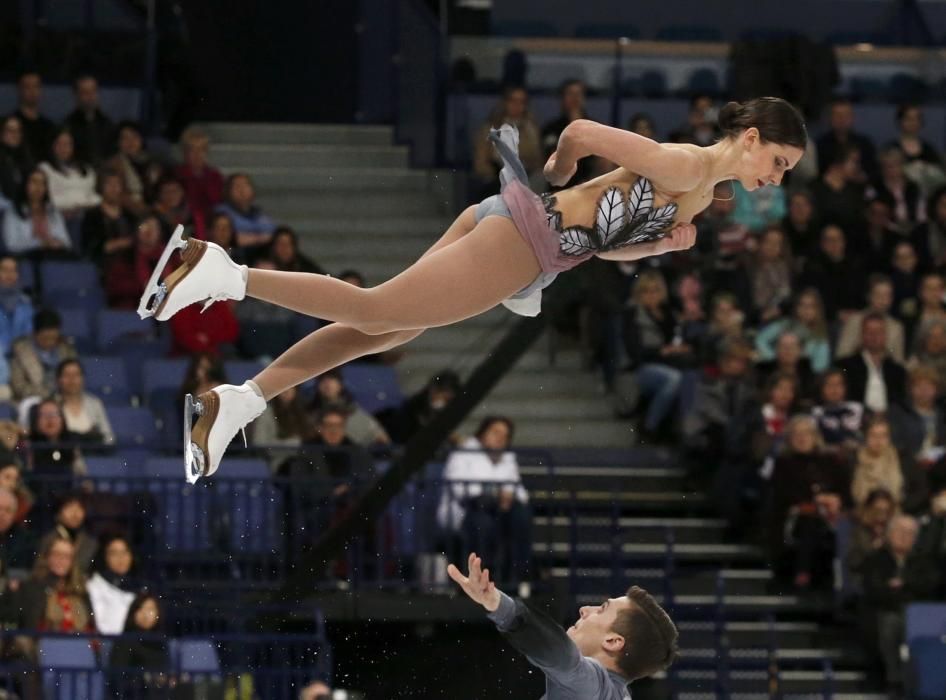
column 222, row 413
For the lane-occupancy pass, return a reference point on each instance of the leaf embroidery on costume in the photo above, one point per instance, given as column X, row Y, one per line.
column 640, row 199
column 577, row 240
column 611, row 214
column 553, row 217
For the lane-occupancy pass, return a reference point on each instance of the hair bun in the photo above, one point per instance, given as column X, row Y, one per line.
column 729, row 115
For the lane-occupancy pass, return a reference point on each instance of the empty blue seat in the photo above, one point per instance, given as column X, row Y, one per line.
column 57, row 275
column 925, row 620
column 115, row 474
column 928, row 664
column 70, row 670
column 239, row 371
column 77, row 327
column 653, row 84
column 907, row 88
column 704, row 81
column 8, row 411
column 163, row 374
column 186, row 518
column 107, row 378
column 254, row 509
column 27, row 275
column 194, row 656
column 65, row 300
column 113, row 324
column 133, row 426
column 374, row 387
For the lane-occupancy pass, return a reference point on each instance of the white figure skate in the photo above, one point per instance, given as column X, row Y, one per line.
column 222, row 413
column 206, row 273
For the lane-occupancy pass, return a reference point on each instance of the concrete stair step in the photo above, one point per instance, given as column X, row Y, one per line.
column 563, row 433
column 554, row 527
column 758, row 633
column 579, row 408
column 343, row 177
column 579, row 478
column 245, row 156
column 805, row 682
column 337, row 204
column 395, row 226
column 604, row 552
column 260, row 133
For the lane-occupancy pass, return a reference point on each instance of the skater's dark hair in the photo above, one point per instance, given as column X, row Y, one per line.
column 650, row 637
column 777, row 121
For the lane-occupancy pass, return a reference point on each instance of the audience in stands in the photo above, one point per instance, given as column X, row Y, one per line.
column 33, row 224
column 930, row 350
column 419, row 410
column 701, row 127
column 108, row 230
column 15, row 160
column 879, row 301
column 172, row 209
column 205, row 372
column 808, row 492
column 17, row 543
column 70, row 524
column 572, row 103
column 643, row 124
column 906, row 280
column 840, row 420
column 789, row 361
column 34, row 359
column 873, row 377
column 839, row 193
column 909, row 141
column 139, row 171
column 929, row 238
column 808, row 324
column 85, row 414
column 285, row 422
column 316, row 690
column 918, row 425
column 771, row 274
column 38, row 131
column 126, row 274
column 361, row 426
column 513, row 108
column 110, row 584
column 16, row 308
column 203, row 183
column 801, row 225
column 220, row 231
column 213, row 330
column 869, row 533
column 930, row 306
column 902, row 194
column 133, row 654
column 71, row 181
column 881, row 465
column 837, row 274
column 284, row 252
column 52, row 447
column 265, row 330
column 93, row 131
column 11, row 478
column 841, row 135
column 894, row 576
column 254, row 229
column 484, row 504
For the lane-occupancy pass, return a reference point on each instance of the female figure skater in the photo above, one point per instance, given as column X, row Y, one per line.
column 505, row 250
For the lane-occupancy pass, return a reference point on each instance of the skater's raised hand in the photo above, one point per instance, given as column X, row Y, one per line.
column 553, row 174
column 477, row 585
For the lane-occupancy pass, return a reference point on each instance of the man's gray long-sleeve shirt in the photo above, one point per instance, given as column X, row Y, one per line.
column 568, row 674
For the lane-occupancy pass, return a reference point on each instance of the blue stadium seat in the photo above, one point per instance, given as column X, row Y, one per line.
column 374, row 387
column 74, row 277
column 114, row 324
column 8, row 411
column 607, row 31
column 78, row 328
column 686, row 32
column 162, row 374
column 194, row 656
column 928, row 664
column 868, row 89
column 133, row 426
column 925, row 620
column 70, row 671
column 184, row 521
column 89, row 300
column 254, row 506
column 27, row 275
column 107, row 378
column 239, row 372
column 117, row 474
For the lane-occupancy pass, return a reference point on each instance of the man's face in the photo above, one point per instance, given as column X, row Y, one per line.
column 7, row 510
column 902, row 536
column 9, row 274
column 573, row 98
column 47, row 338
column 594, row 624
column 832, row 242
column 332, row 429
column 87, row 94
column 842, row 117
column 72, row 515
column 30, row 88
column 875, row 336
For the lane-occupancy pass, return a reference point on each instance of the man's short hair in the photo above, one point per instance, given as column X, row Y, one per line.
column 873, row 316
column 650, row 637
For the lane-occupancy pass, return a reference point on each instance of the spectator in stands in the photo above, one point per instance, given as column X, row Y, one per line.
column 108, row 231
column 317, row 690
column 362, row 427
column 930, row 346
column 719, row 402
column 53, row 449
column 789, row 361
column 771, row 275
column 893, row 185
column 254, row 229
column 808, row 324
column 839, row 194
column 17, row 544
column 85, row 414
column 214, row 330
column 643, row 124
column 571, row 95
column 70, row 524
column 873, row 376
column 701, row 128
column 284, row 252
column 880, row 465
column 513, row 109
column 11, row 478
column 94, row 132
column 894, row 576
column 33, row 224
column 205, row 372
column 220, row 231
column 725, row 326
column 909, row 141
column 34, row 358
column 654, row 345
column 879, row 303
column 285, row 422
column 16, row 309
column 38, row 131
column 869, row 533
column 110, row 584
column 876, row 241
column 840, row 421
column 760, row 209
column 138, row 666
column 842, row 136
column 71, row 181
column 931, row 542
column 421, row 408
column 485, row 503
column 139, row 171
column 932, row 293
column 801, row 226
column 126, row 275
column 809, row 490
column 919, row 424
column 839, row 277
column 723, row 244
column 203, row 183
column 172, row 209
column 905, row 277
column 15, row 160
column 929, row 238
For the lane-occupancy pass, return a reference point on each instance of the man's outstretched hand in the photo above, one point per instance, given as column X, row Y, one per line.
column 477, row 585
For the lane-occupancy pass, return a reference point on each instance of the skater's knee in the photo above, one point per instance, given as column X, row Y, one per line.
column 375, row 317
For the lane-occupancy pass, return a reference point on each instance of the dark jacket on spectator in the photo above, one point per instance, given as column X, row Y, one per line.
column 804, row 377
column 94, row 138
column 717, row 405
column 828, row 143
column 842, row 284
column 17, row 549
column 645, row 335
column 855, row 374
column 908, row 428
column 844, row 207
column 918, row 573
column 14, row 165
column 97, row 228
column 38, row 135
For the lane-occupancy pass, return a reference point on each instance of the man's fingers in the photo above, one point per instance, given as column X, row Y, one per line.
column 454, row 573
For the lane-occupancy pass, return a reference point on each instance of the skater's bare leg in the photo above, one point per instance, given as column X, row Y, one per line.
column 459, row 280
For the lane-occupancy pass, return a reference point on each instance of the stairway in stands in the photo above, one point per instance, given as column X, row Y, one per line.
column 356, row 203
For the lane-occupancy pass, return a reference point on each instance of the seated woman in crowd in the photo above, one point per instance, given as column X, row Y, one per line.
column 894, row 186
column 771, row 275
column 869, row 534
column 110, row 586
column 881, row 466
column 33, row 224
column 284, row 252
column 906, row 278
column 513, row 108
column 929, row 238
column 138, row 667
column 840, row 421
column 126, row 275
column 108, row 230
column 220, row 230
column 809, row 491
column 139, row 171
column 85, row 414
column 808, row 324
column 725, row 326
column 70, row 523
column 918, row 426
column 35, row 358
column 285, row 422
column 931, row 307
column 53, row 448
column 11, row 478
column 172, row 209
column 71, row 182
column 657, row 353
column 254, row 229
column 789, row 360
column 931, row 350
column 15, row 160
column 362, row 427
column 203, row 183
column 484, row 503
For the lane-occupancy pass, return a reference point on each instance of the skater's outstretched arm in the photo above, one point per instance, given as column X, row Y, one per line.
column 535, row 634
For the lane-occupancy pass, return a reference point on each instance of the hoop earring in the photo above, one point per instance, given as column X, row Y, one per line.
column 732, row 189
